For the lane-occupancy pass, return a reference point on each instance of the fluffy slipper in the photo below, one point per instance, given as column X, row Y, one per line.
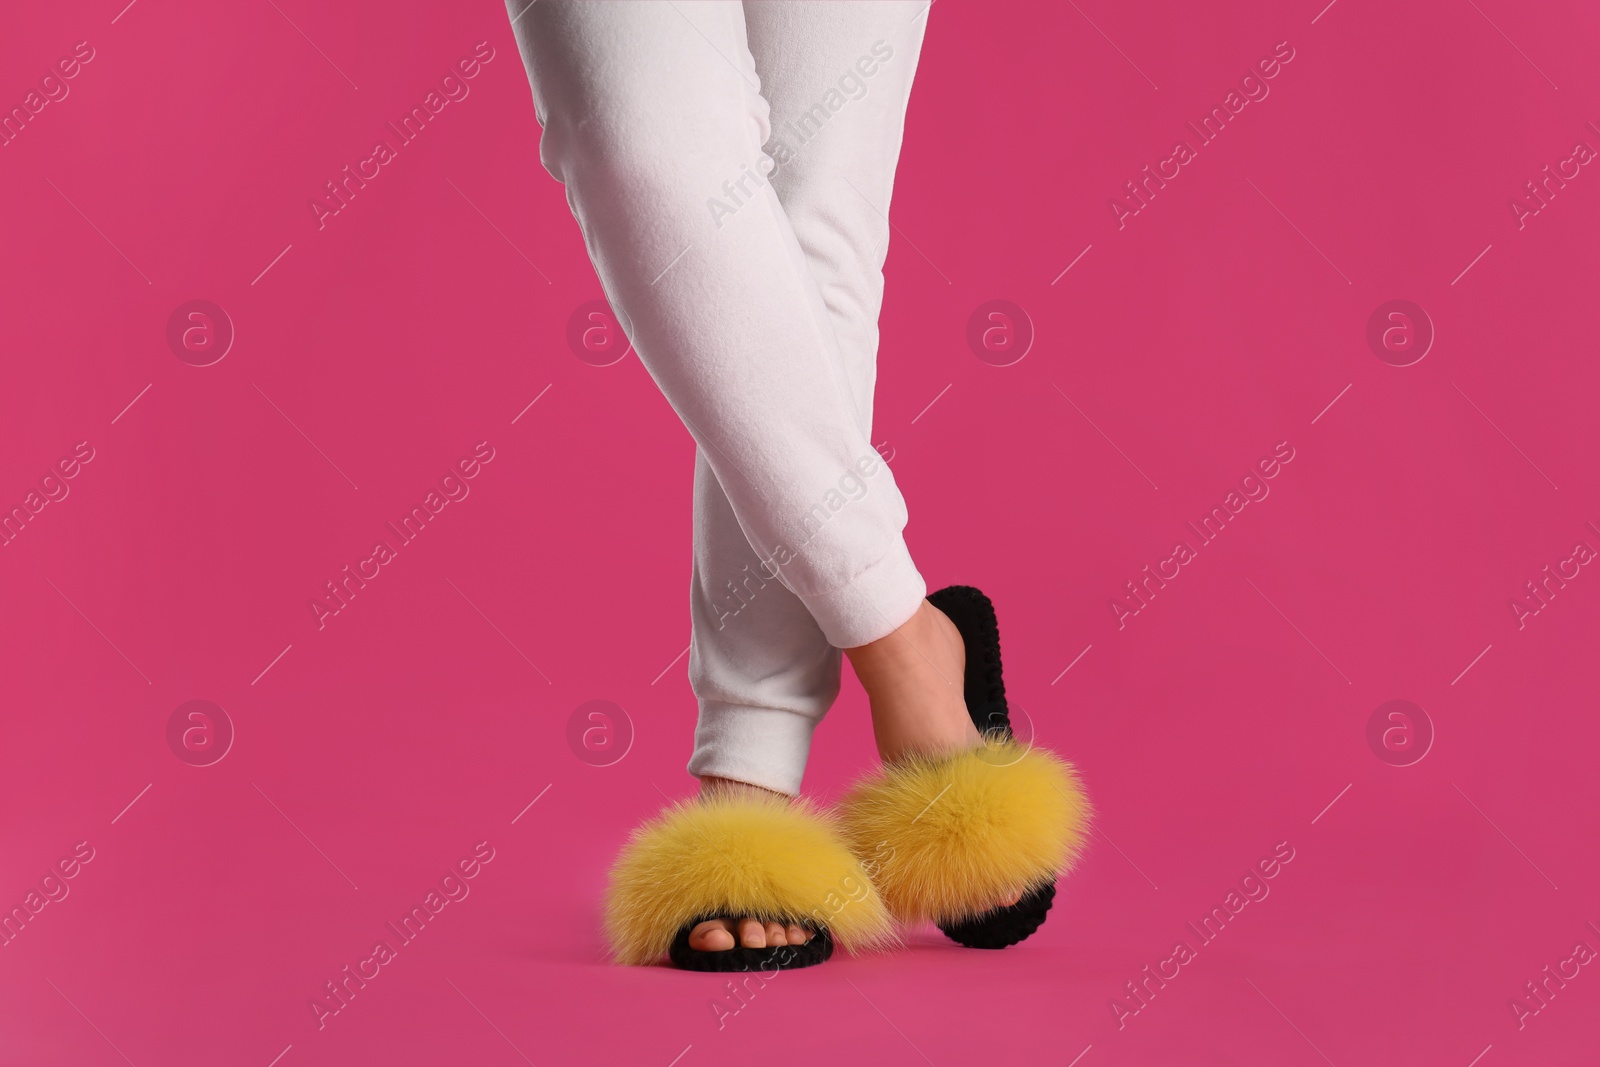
column 736, row 855
column 945, row 837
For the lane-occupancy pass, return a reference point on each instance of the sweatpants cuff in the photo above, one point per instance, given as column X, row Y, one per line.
column 758, row 746
column 874, row 603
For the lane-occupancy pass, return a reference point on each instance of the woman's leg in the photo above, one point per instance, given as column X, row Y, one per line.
column 836, row 78
column 653, row 121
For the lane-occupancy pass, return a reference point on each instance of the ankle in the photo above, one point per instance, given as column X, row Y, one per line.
column 917, row 645
column 915, row 683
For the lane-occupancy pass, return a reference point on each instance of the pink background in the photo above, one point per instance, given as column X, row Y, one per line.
column 1223, row 719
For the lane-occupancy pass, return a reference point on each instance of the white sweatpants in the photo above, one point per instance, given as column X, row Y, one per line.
column 751, row 295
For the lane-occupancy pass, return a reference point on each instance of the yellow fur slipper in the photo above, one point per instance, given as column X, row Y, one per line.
column 944, row 838
column 735, row 855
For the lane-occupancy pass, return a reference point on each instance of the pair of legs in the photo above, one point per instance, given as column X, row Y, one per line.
column 730, row 165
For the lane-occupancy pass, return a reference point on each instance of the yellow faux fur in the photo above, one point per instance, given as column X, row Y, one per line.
column 947, row 838
column 737, row 855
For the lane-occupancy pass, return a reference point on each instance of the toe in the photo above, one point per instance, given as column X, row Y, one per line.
column 713, row 935
column 797, row 935
column 1011, row 898
column 752, row 934
column 776, row 936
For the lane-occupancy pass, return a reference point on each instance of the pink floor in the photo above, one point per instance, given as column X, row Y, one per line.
column 1442, row 860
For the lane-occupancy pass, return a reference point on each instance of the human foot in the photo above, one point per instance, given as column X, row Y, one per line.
column 913, row 678
column 720, row 935
column 914, row 681
column 717, row 935
column 963, row 827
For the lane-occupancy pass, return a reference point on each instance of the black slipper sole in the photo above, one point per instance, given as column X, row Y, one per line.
column 739, row 958
column 985, row 692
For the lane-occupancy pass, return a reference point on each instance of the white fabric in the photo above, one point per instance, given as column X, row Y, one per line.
column 749, row 282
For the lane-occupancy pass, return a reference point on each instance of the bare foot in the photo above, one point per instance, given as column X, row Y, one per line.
column 718, row 935
column 914, row 680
